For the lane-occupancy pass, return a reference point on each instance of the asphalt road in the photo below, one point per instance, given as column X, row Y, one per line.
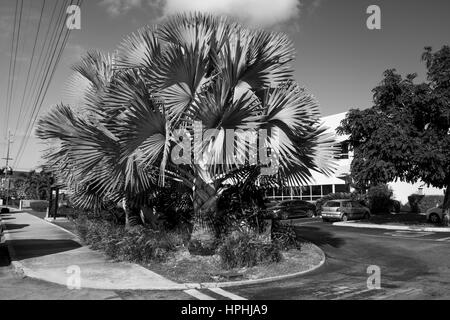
column 413, row 265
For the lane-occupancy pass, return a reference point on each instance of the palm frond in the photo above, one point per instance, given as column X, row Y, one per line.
column 138, row 50
column 269, row 55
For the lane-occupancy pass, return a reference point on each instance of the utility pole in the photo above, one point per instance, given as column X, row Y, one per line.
column 7, row 169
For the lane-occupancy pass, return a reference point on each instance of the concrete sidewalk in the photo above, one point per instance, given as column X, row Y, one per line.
column 356, row 224
column 47, row 252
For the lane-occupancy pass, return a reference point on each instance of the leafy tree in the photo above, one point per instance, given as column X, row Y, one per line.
column 193, row 68
column 34, row 186
column 406, row 134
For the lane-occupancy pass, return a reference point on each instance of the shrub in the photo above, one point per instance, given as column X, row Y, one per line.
column 285, row 236
column 413, row 201
column 380, row 199
column 395, row 206
column 139, row 244
column 68, row 212
column 430, row 201
column 240, row 208
column 340, row 195
column 245, row 249
column 39, row 206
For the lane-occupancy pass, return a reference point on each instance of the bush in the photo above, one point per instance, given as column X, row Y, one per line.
column 340, row 195
column 395, row 206
column 139, row 244
column 380, row 199
column 413, row 201
column 68, row 212
column 239, row 208
column 285, row 236
column 245, row 249
column 429, row 202
column 39, row 206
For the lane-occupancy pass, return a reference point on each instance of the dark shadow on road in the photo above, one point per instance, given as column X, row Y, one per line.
column 33, row 248
column 319, row 236
column 7, row 215
column 4, row 257
column 6, row 219
column 12, row 226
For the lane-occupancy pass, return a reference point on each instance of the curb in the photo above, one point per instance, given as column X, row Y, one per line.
column 209, row 285
column 352, row 224
column 25, row 272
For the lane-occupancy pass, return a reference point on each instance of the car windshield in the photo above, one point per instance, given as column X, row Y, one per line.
column 332, row 204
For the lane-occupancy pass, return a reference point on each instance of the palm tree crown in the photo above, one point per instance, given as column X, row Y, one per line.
column 121, row 137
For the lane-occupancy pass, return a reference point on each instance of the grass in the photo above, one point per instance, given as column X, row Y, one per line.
column 69, row 225
column 182, row 267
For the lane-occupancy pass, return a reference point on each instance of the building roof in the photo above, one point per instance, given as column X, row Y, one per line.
column 333, row 122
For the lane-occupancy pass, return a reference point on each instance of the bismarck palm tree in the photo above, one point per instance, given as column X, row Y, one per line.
column 171, row 85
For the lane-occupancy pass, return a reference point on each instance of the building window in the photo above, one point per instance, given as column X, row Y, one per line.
column 327, row 189
column 307, row 193
column 342, row 188
column 343, row 150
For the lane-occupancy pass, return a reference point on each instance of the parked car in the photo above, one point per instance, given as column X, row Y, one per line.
column 288, row 209
column 344, row 210
column 435, row 215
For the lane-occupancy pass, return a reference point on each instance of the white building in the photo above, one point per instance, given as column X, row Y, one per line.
column 322, row 185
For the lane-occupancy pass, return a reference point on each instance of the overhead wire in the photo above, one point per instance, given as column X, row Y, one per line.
column 55, row 59
column 17, row 40
column 30, row 67
column 50, row 45
column 13, row 37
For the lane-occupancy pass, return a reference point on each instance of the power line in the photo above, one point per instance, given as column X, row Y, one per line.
column 43, row 91
column 47, row 49
column 10, row 66
column 30, row 67
column 8, row 107
column 39, row 78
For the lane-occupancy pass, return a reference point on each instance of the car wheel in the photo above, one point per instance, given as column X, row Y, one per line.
column 434, row 218
column 325, row 220
column 366, row 216
column 344, row 218
column 310, row 213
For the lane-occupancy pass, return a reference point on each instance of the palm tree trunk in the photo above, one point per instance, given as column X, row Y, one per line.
column 203, row 239
column 133, row 216
column 126, row 209
column 447, row 198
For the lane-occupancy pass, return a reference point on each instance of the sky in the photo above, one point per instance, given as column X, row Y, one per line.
column 339, row 60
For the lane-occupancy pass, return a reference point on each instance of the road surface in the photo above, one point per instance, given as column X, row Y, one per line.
column 413, row 265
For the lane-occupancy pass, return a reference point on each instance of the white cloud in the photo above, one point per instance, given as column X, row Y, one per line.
column 253, row 12
column 261, row 13
column 117, row 7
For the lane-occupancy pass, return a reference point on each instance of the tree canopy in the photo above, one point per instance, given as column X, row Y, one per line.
column 119, row 140
column 406, row 134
